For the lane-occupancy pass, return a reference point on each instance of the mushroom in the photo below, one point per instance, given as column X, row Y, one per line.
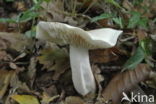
column 80, row 42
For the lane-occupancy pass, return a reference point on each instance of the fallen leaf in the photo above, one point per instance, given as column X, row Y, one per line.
column 102, row 56
column 152, row 81
column 99, row 78
column 106, row 23
column 146, row 4
column 105, row 55
column 25, row 99
column 124, row 82
column 86, row 3
column 45, row 80
column 31, row 74
column 19, row 5
column 53, row 11
column 128, row 5
column 11, row 40
column 3, row 27
column 49, row 56
column 141, row 34
column 74, row 99
column 54, row 60
column 47, row 99
column 5, row 77
column 50, row 91
column 16, row 85
column 4, row 56
column 3, row 44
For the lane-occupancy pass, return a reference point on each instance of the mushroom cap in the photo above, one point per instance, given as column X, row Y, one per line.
column 65, row 34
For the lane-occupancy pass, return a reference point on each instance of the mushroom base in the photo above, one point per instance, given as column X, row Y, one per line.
column 82, row 75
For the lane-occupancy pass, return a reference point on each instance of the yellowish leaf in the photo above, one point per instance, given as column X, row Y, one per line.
column 25, row 99
column 4, row 81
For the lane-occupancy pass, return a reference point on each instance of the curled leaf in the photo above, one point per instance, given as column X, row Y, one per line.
column 124, row 82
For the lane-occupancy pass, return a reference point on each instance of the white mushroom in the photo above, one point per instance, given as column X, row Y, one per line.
column 80, row 42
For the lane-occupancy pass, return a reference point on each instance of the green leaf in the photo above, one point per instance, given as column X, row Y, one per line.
column 133, row 21
column 9, row 0
column 35, row 1
column 47, row 0
column 25, row 99
column 137, row 58
column 137, row 2
column 143, row 22
column 118, row 21
column 7, row 20
column 28, row 15
column 146, row 45
column 36, row 6
column 30, row 34
column 113, row 3
column 24, row 16
column 102, row 16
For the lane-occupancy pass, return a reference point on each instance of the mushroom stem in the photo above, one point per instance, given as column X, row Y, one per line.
column 82, row 75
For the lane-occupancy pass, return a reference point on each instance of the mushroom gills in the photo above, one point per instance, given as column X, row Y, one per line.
column 82, row 75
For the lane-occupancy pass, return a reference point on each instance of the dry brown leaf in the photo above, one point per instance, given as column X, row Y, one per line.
column 3, row 27
column 106, row 23
column 31, row 74
column 53, row 11
column 105, row 55
column 147, row 4
column 124, row 82
column 102, row 56
column 50, row 91
column 4, row 56
column 5, row 77
column 74, row 100
column 128, row 5
column 16, row 85
column 99, row 78
column 19, row 5
column 47, row 99
column 152, row 81
column 87, row 4
column 141, row 34
column 150, row 4
column 3, row 44
column 15, row 41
